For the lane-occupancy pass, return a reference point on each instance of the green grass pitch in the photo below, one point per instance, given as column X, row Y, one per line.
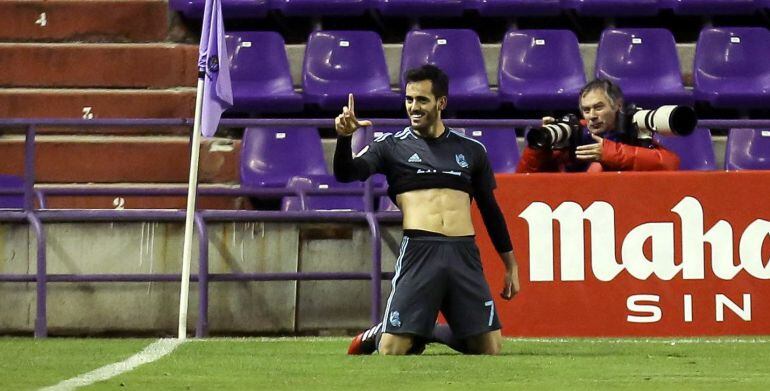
column 321, row 363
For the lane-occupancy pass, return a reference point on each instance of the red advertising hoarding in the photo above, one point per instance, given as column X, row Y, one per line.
column 635, row 254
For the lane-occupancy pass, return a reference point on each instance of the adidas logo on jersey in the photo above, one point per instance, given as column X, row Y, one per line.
column 415, row 159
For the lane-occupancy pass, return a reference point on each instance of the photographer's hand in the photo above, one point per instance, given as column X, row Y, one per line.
column 548, row 120
column 590, row 152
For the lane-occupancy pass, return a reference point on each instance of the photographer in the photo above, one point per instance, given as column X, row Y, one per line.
column 598, row 144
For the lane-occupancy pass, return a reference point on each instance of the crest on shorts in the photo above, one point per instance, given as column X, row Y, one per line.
column 395, row 319
column 460, row 159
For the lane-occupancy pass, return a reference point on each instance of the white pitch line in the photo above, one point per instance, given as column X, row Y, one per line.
column 152, row 352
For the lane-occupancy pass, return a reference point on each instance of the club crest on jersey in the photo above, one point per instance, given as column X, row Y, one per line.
column 460, row 159
column 395, row 319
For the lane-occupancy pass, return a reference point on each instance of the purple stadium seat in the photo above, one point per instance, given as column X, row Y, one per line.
column 321, row 7
column 696, row 151
column 11, row 201
column 502, row 149
column 541, row 69
column 711, row 7
column 386, row 205
column 613, row 7
column 323, row 201
column 506, row 8
column 729, row 69
column 340, row 62
column 231, row 9
column 644, row 63
column 419, row 8
column 259, row 70
column 458, row 53
column 270, row 157
column 748, row 149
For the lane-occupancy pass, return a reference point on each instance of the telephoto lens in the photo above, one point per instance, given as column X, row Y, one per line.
column 553, row 136
column 666, row 120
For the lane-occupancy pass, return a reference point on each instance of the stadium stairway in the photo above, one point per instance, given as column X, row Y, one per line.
column 84, row 20
column 104, row 59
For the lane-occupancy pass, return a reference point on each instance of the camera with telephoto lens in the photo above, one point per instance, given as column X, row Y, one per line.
column 563, row 133
column 641, row 124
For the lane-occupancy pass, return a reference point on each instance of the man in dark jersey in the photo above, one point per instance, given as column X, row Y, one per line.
column 433, row 175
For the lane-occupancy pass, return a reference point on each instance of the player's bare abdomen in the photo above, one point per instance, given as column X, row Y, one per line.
column 444, row 211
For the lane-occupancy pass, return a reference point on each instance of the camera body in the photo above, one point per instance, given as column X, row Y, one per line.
column 634, row 123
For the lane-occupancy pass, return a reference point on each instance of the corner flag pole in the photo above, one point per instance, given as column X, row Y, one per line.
column 214, row 96
column 192, row 190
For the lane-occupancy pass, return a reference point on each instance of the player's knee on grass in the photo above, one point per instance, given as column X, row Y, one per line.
column 490, row 343
column 397, row 345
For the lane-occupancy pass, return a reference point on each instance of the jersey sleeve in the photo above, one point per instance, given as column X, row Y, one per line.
column 483, row 178
column 375, row 153
column 483, row 185
column 348, row 168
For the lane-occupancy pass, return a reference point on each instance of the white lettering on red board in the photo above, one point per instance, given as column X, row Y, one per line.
column 663, row 263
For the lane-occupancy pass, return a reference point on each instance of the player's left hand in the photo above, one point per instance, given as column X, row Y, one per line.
column 511, row 279
column 590, row 152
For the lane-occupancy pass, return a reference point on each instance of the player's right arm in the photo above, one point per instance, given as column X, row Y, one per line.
column 346, row 168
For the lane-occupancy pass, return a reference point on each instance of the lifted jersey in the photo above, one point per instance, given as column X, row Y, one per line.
column 410, row 162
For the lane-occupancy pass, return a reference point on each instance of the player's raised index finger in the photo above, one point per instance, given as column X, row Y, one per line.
column 350, row 102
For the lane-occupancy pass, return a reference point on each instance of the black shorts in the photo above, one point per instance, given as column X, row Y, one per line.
column 438, row 273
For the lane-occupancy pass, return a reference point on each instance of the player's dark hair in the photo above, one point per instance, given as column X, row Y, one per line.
column 437, row 77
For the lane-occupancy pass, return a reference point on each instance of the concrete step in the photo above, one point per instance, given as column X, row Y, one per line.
column 84, row 20
column 142, row 202
column 98, row 65
column 99, row 103
column 96, row 103
column 113, row 159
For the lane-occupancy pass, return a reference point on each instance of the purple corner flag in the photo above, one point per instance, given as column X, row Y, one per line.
column 217, row 89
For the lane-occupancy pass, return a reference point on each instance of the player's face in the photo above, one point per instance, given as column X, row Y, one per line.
column 422, row 106
column 598, row 111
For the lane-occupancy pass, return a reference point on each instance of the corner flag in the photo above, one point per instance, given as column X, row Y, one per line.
column 214, row 94
column 217, row 90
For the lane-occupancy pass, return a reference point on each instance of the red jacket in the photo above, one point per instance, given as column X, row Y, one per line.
column 615, row 157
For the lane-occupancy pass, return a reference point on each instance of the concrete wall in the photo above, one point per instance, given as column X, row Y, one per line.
column 234, row 307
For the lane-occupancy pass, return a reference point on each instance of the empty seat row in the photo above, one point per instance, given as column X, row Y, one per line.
column 294, row 158
column 538, row 69
column 455, row 8
column 271, row 157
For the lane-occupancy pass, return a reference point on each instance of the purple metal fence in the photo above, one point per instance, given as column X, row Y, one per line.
column 36, row 217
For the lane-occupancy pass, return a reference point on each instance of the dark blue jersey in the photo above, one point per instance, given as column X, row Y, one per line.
column 410, row 162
